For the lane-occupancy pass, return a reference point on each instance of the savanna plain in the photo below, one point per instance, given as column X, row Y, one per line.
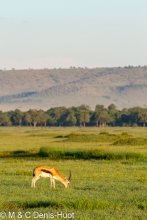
column 108, row 165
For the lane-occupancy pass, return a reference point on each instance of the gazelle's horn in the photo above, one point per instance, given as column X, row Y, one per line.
column 69, row 176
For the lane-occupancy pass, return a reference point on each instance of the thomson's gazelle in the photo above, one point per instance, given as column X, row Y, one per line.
column 46, row 171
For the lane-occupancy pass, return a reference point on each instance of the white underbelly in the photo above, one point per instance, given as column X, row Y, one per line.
column 43, row 174
column 55, row 177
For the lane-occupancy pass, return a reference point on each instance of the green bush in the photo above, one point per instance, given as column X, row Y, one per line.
column 51, row 153
column 101, row 137
column 88, row 154
column 131, row 141
column 104, row 133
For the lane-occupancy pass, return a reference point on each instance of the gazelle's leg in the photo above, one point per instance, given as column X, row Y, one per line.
column 50, row 182
column 34, row 181
column 53, row 183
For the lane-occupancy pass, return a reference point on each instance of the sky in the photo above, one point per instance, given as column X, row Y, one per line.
column 79, row 33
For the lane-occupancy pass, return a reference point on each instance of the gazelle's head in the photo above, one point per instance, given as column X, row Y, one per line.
column 67, row 182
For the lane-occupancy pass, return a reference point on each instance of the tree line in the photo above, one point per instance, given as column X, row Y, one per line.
column 76, row 116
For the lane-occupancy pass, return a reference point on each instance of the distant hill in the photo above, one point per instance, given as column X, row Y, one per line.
column 46, row 88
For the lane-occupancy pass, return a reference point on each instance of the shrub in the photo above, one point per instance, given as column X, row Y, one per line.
column 51, row 153
column 131, row 141
column 101, row 137
column 88, row 154
column 104, row 133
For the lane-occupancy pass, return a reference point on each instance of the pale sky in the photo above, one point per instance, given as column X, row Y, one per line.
column 79, row 33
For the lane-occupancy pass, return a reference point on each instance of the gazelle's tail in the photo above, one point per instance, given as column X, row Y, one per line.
column 34, row 172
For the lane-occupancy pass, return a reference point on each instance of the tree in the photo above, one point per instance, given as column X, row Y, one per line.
column 134, row 114
column 124, row 117
column 104, row 118
column 112, row 108
column 143, row 116
column 4, row 119
column 17, row 117
column 27, row 118
column 57, row 115
column 83, row 107
column 99, row 108
column 95, row 117
column 117, row 119
column 83, row 114
column 83, row 117
column 50, row 120
column 34, row 116
column 96, row 114
column 42, row 117
column 71, row 118
column 112, row 112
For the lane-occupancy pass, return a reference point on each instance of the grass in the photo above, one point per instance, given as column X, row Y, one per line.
column 100, row 154
column 132, row 141
column 78, row 137
column 108, row 181
column 120, row 191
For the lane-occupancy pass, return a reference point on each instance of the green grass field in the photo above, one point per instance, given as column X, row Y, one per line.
column 109, row 173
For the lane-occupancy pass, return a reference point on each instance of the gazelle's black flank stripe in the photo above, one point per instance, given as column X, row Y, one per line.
column 46, row 171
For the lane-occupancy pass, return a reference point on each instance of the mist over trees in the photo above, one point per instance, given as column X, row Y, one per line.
column 76, row 116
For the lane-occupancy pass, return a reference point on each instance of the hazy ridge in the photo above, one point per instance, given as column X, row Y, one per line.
column 46, row 88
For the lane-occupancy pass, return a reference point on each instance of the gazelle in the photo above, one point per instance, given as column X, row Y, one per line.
column 46, row 171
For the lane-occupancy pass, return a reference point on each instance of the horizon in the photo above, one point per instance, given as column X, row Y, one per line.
column 72, row 67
